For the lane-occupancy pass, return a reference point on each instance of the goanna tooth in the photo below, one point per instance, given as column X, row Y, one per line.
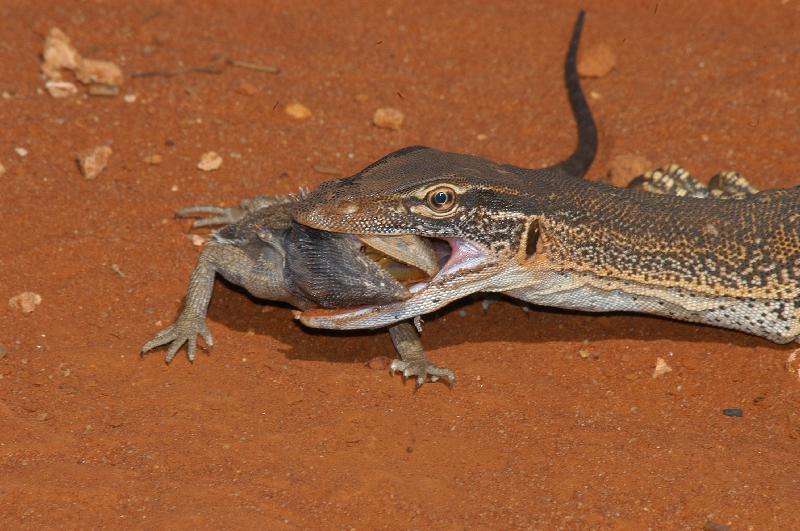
column 408, row 249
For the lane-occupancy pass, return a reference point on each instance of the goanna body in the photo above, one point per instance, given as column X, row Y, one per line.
column 728, row 263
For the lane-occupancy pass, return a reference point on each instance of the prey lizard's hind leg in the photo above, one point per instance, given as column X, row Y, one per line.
column 413, row 361
column 730, row 185
column 670, row 180
column 226, row 215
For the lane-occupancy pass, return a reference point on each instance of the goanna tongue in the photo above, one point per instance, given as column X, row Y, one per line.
column 408, row 249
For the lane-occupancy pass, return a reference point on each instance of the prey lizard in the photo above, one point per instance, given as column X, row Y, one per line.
column 262, row 250
column 723, row 255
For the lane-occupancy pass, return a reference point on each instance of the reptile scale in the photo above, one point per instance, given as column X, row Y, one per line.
column 723, row 254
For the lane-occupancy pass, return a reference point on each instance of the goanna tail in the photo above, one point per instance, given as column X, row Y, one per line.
column 578, row 163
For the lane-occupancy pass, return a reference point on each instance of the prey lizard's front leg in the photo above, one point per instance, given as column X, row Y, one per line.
column 235, row 265
column 413, row 361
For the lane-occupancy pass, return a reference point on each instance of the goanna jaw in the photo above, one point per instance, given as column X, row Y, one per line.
column 487, row 248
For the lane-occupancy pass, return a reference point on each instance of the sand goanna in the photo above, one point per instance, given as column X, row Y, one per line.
column 721, row 254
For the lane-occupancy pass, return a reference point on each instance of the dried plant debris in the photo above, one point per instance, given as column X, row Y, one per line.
column 102, row 77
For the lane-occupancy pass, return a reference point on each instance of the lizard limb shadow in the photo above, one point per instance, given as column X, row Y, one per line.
column 233, row 308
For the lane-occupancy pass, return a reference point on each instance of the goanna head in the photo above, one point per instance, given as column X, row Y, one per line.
column 470, row 208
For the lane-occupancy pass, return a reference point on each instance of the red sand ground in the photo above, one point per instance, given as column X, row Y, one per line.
column 282, row 427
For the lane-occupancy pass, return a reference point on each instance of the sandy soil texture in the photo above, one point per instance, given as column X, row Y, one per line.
column 557, row 421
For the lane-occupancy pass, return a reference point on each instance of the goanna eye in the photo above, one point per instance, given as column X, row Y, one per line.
column 441, row 199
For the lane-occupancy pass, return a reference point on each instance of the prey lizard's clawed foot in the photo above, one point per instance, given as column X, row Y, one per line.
column 184, row 331
column 216, row 215
column 423, row 370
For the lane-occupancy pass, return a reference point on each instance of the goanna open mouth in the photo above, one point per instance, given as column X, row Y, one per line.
column 425, row 266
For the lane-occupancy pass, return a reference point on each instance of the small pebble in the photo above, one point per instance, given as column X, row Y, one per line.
column 2, row 169
column 298, row 111
column 60, row 89
column 129, row 98
column 327, row 170
column 379, row 363
column 94, row 161
column 792, row 364
column 361, row 98
column 154, row 159
column 583, row 353
column 732, row 412
column 462, row 313
column 3, row 351
column 25, row 302
column 661, row 368
column 623, row 168
column 96, row 71
column 711, row 525
column 21, row 151
column 103, row 89
column 481, row 137
column 596, row 61
column 210, row 161
column 248, row 89
column 41, row 417
column 388, row 118
column 197, row 240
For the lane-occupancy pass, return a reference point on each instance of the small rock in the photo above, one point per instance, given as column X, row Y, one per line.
column 361, row 98
column 94, row 161
column 379, row 363
column 328, row 170
column 732, row 412
column 98, row 71
column 129, row 98
column 58, row 53
column 661, row 368
column 388, row 118
column 21, row 151
column 711, row 525
column 623, row 168
column 210, row 161
column 596, row 61
column 298, row 111
column 248, row 89
column 197, row 240
column 41, row 417
column 25, row 302
column 2, row 169
column 154, row 159
column 585, row 354
column 462, row 313
column 103, row 89
column 60, row 89
column 3, row 351
column 481, row 137
column 793, row 363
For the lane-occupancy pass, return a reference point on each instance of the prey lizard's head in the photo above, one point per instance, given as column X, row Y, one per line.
column 467, row 209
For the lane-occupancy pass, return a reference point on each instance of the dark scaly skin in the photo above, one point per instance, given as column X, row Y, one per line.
column 549, row 237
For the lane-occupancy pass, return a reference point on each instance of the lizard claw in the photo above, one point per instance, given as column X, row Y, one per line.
column 423, row 370
column 216, row 215
column 184, row 330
